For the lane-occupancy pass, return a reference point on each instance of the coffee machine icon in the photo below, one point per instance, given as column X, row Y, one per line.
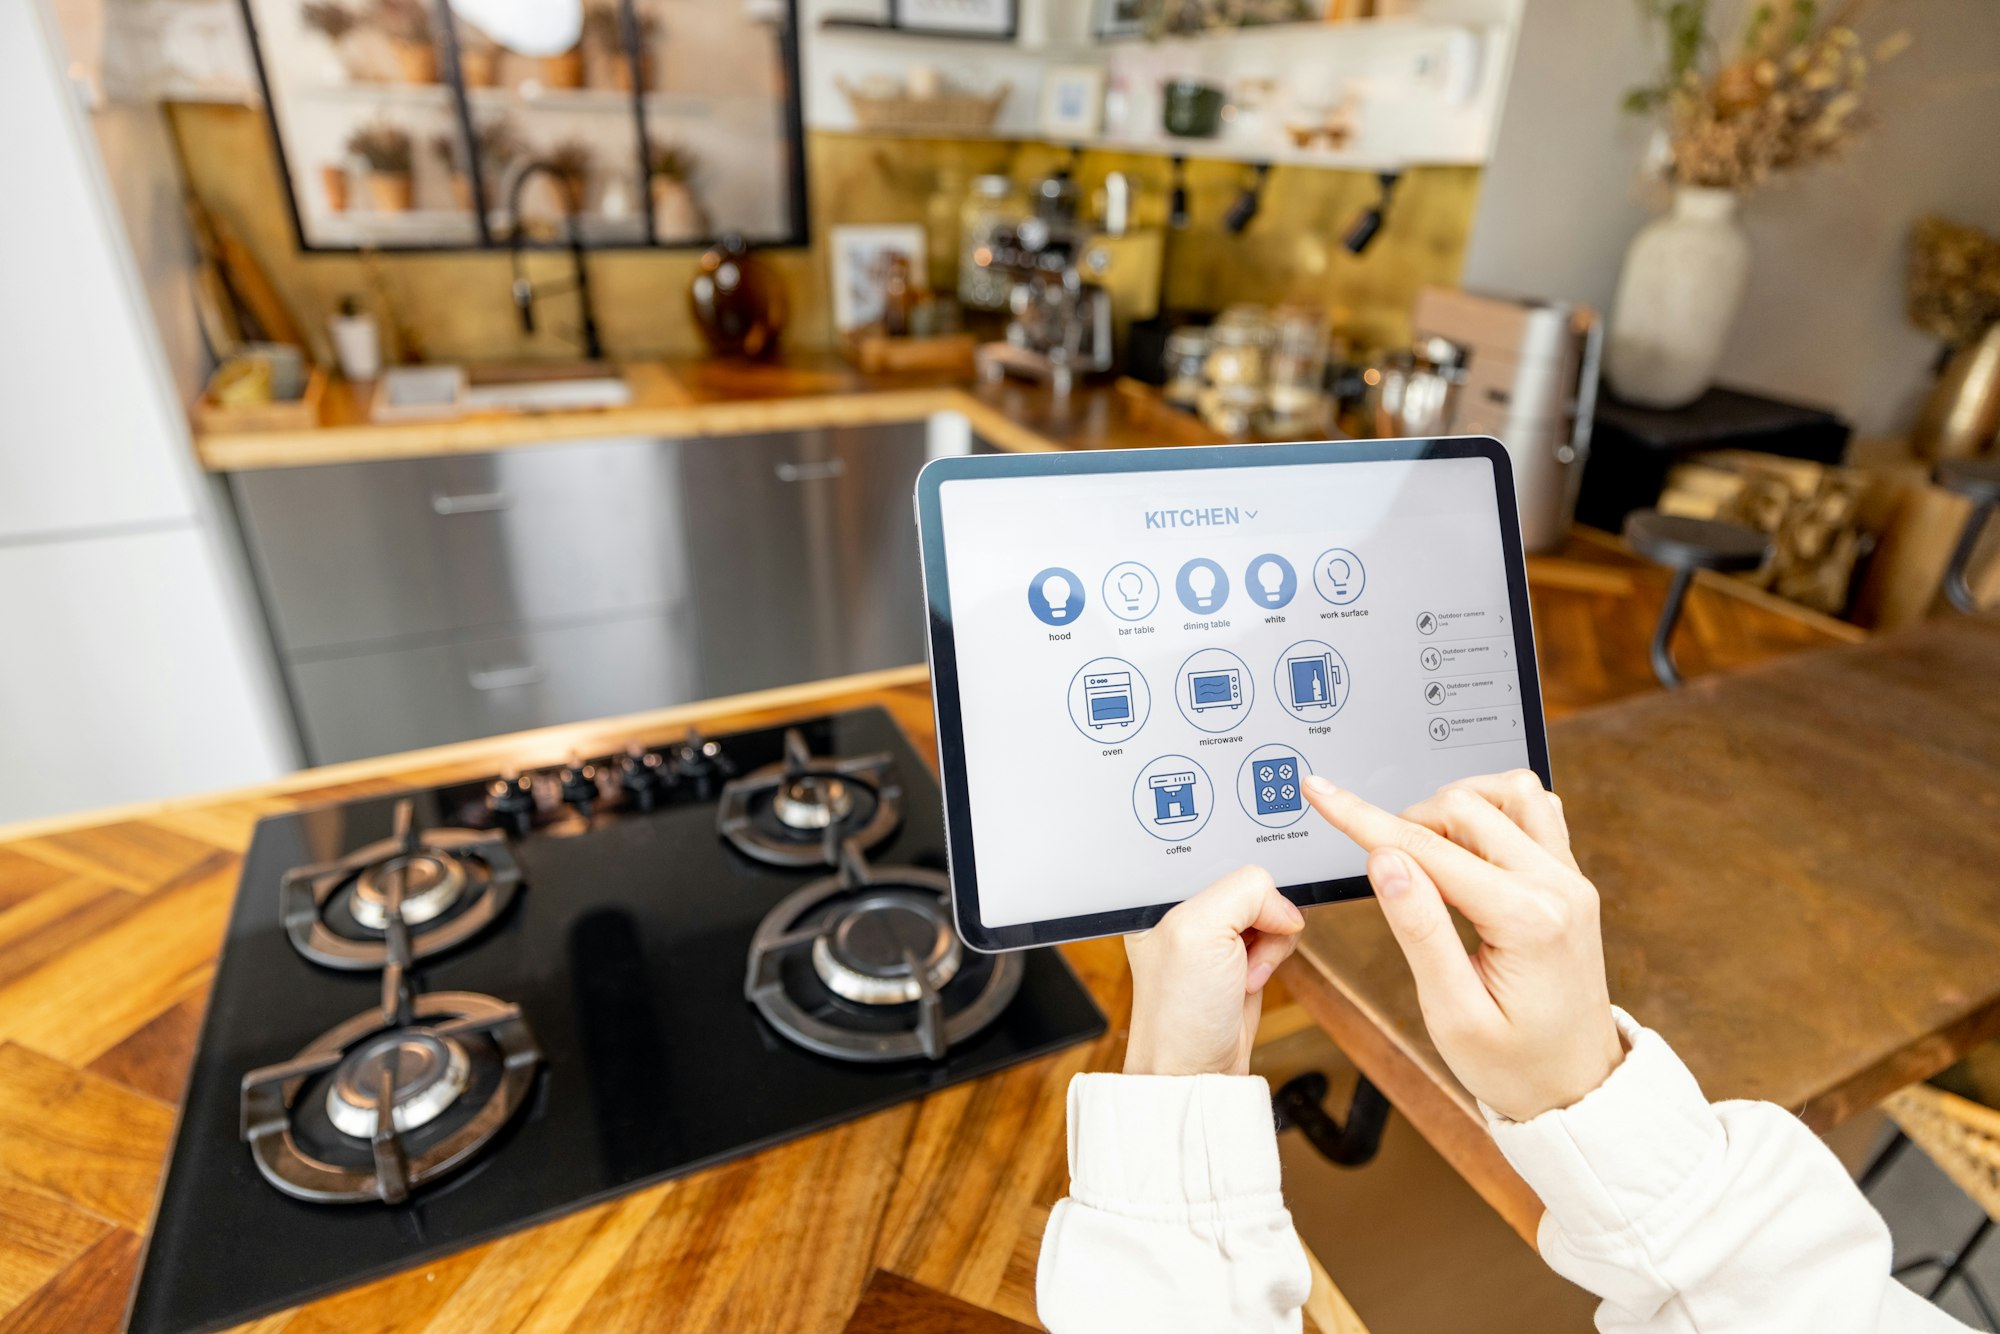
column 1173, row 797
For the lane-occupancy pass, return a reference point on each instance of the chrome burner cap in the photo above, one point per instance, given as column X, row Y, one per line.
column 813, row 801
column 431, row 1072
column 431, row 884
column 864, row 952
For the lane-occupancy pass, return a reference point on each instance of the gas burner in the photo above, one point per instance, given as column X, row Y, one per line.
column 391, row 1099
column 802, row 811
column 365, row 910
column 863, row 965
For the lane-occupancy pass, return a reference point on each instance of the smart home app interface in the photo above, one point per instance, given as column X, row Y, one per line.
column 1149, row 664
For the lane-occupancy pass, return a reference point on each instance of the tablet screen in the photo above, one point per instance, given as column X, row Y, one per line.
column 1149, row 662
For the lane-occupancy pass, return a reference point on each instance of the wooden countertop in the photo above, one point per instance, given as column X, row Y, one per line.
column 1797, row 871
column 712, row 397
column 928, row 1215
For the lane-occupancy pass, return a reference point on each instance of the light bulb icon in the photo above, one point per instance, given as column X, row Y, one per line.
column 1201, row 581
column 1271, row 579
column 1055, row 592
column 1131, row 587
column 1338, row 572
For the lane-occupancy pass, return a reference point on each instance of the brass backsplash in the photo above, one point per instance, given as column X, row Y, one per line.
column 456, row 303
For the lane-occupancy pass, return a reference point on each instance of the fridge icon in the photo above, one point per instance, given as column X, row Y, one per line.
column 1313, row 680
column 1173, row 797
column 1107, row 698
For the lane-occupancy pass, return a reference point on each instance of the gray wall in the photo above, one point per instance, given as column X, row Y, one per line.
column 1823, row 321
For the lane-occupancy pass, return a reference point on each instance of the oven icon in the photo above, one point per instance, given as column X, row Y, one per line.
column 1107, row 698
column 1173, row 797
column 1220, row 688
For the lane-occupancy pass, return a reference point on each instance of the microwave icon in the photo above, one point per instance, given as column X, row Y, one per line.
column 1173, row 798
column 1107, row 698
column 1221, row 688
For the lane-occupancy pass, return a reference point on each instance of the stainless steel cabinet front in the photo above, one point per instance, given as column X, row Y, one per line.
column 808, row 562
column 353, row 554
column 376, row 703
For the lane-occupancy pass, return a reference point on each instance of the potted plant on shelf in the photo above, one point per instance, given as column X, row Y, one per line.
column 563, row 70
column 407, row 25
column 678, row 216
column 478, row 58
column 576, row 166
column 500, row 147
column 385, row 148
column 333, row 21
column 333, row 184
column 604, row 47
column 444, row 147
column 1794, row 94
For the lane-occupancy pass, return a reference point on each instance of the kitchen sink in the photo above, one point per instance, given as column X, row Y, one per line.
column 545, row 388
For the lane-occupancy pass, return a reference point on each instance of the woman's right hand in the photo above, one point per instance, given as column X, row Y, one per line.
column 1525, row 1021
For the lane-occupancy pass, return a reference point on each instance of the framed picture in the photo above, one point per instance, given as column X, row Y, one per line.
column 1123, row 18
column 955, row 18
column 858, row 256
column 1072, row 101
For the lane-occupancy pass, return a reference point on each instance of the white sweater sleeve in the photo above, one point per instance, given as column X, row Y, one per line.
column 1175, row 1219
column 1692, row 1218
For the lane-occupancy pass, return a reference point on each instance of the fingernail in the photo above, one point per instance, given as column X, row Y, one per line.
column 1298, row 917
column 1319, row 786
column 1388, row 873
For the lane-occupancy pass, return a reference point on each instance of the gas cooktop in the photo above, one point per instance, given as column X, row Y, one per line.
column 445, row 1015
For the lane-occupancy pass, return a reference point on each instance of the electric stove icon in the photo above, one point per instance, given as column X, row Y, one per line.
column 1173, row 797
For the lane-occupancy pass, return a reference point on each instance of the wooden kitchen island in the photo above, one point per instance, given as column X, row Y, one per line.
column 926, row 1216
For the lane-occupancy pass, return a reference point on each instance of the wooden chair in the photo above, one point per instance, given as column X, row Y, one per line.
column 1955, row 1120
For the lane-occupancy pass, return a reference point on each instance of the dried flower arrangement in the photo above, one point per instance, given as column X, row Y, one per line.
column 383, row 146
column 329, row 18
column 675, row 162
column 574, row 162
column 405, row 21
column 1794, row 94
column 1178, row 18
column 500, row 146
column 444, row 147
column 1953, row 281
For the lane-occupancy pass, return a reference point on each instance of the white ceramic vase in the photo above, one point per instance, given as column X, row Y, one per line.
column 1677, row 300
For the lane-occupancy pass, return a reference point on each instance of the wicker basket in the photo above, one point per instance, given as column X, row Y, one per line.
column 942, row 115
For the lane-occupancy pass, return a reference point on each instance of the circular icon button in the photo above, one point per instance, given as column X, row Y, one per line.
column 1268, row 785
column 1338, row 576
column 1109, row 700
column 1055, row 596
column 1431, row 659
column 1434, row 693
column 1427, row 623
column 1312, row 681
column 1202, row 586
column 1270, row 581
column 1130, row 591
column 1173, row 798
column 1440, row 730
column 1213, row 690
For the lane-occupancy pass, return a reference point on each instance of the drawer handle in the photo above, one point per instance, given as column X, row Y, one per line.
column 483, row 502
column 503, row 678
column 824, row 471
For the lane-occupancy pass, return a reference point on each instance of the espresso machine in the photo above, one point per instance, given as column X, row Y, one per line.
column 1059, row 322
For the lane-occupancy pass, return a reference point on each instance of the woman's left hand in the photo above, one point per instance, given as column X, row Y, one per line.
column 1198, row 977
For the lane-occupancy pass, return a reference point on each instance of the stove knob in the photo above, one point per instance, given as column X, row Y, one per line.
column 644, row 776
column 511, row 798
column 696, row 758
column 579, row 782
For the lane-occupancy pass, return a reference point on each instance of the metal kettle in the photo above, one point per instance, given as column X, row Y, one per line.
column 1415, row 393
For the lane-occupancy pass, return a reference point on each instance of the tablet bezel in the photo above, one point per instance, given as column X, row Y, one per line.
column 960, row 854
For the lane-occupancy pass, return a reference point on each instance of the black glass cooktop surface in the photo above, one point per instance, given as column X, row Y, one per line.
column 625, row 948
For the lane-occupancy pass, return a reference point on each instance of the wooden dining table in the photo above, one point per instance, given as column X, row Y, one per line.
column 1799, row 866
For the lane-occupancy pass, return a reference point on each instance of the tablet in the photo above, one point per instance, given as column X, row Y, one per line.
column 1137, row 655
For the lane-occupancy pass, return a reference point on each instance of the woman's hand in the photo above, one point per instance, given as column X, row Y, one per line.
column 1525, row 1022
column 1198, row 977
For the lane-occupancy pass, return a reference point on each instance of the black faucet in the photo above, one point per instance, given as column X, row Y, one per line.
column 524, row 291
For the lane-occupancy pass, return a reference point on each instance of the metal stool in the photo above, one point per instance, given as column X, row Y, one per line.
column 1978, row 480
column 1685, row 545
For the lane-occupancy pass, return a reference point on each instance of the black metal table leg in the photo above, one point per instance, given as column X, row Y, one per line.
column 1348, row 1144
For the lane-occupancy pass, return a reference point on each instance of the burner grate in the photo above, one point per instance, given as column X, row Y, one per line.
column 802, row 810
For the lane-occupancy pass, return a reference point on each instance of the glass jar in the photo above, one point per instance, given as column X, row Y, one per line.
column 1236, row 371
column 992, row 204
column 1297, row 375
column 1186, row 353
